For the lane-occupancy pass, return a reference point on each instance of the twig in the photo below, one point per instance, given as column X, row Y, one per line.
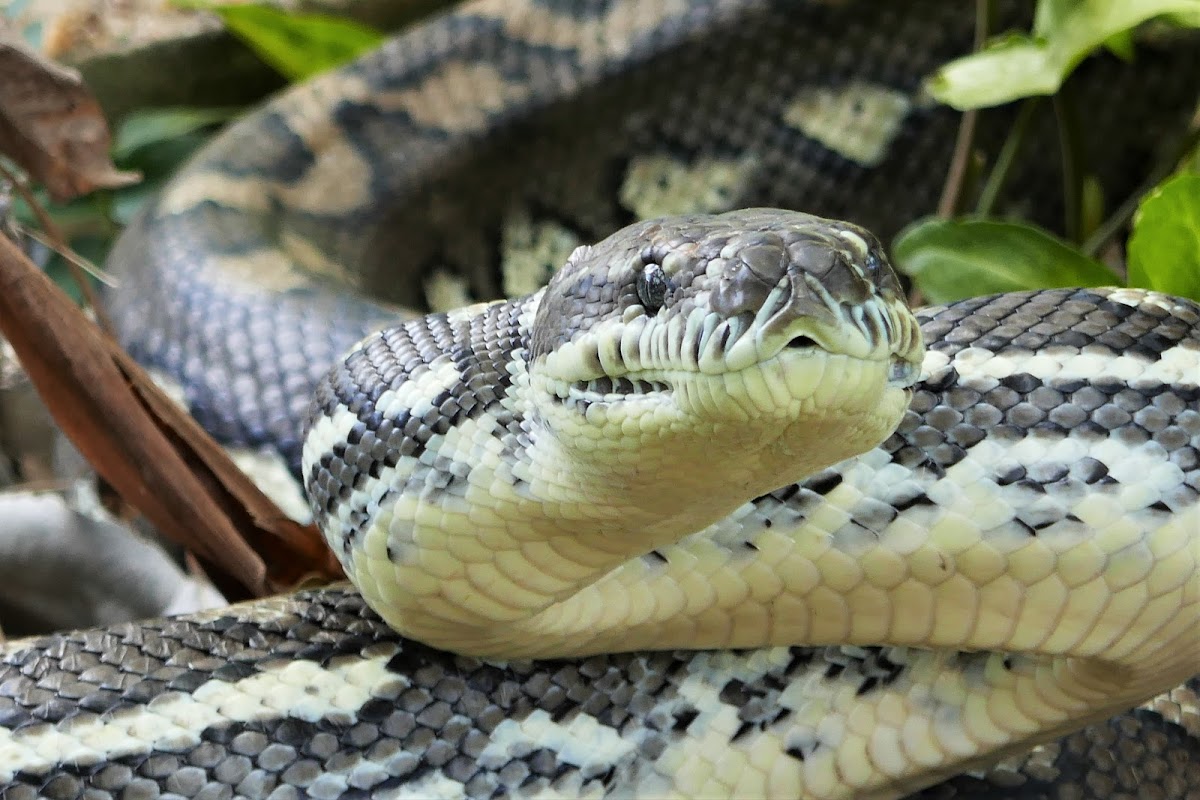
column 70, row 256
column 57, row 242
column 956, row 174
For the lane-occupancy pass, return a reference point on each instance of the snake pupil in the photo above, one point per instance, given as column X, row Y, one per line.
column 652, row 287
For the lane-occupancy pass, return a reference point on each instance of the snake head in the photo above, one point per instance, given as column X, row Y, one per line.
column 756, row 331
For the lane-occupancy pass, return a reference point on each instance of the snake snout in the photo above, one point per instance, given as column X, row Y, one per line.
column 802, row 282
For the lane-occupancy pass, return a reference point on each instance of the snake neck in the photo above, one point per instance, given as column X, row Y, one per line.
column 522, row 510
column 476, row 469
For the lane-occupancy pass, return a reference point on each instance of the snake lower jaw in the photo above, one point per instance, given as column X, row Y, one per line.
column 776, row 422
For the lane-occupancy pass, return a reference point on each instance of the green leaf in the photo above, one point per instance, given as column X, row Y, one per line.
column 1048, row 16
column 1066, row 31
column 298, row 45
column 165, row 156
column 1188, row 19
column 142, row 128
column 952, row 259
column 1120, row 44
column 76, row 217
column 1164, row 249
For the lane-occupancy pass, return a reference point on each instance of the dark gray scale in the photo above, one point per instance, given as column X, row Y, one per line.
column 715, row 81
column 441, row 711
column 712, row 82
column 1021, row 404
column 951, row 413
column 1074, row 318
column 480, row 348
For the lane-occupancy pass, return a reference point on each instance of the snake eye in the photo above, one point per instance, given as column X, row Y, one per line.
column 875, row 265
column 652, row 287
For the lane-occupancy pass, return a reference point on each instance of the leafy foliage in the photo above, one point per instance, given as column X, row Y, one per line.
column 952, row 259
column 157, row 142
column 1064, row 33
column 1164, row 250
column 297, row 45
column 947, row 259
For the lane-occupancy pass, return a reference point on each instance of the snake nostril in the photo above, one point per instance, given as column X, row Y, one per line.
column 801, row 342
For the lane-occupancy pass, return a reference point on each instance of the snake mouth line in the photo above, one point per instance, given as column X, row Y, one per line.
column 902, row 372
column 608, row 388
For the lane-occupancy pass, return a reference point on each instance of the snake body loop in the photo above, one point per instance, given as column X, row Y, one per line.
column 512, row 441
column 657, row 452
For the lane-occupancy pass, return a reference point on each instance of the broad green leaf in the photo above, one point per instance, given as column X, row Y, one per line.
column 1020, row 65
column 1048, row 15
column 952, row 259
column 1164, row 249
column 298, row 45
column 151, row 126
column 1120, row 44
column 166, row 156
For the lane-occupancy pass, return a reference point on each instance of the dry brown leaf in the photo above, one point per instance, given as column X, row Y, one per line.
column 152, row 452
column 53, row 127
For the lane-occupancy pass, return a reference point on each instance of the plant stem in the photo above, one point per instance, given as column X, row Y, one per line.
column 1007, row 155
column 1072, row 168
column 956, row 173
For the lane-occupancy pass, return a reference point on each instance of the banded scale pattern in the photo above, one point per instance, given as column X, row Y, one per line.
column 313, row 696
column 353, row 712
column 779, row 339
column 465, row 160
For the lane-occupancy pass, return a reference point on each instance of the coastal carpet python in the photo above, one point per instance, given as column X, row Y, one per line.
column 1017, row 560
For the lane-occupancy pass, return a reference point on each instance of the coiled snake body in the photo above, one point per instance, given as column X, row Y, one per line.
column 1016, row 560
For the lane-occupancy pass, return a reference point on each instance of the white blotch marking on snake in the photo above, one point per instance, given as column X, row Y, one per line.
column 858, row 120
